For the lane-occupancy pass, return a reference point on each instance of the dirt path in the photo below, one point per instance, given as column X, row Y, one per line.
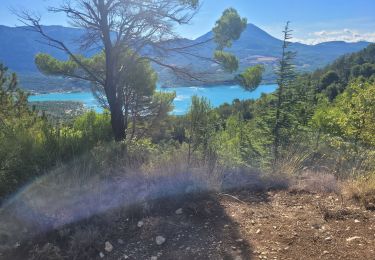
column 242, row 225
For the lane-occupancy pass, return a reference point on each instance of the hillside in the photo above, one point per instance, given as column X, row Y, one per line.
column 19, row 47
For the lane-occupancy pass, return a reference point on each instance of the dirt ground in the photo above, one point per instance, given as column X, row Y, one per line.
column 236, row 225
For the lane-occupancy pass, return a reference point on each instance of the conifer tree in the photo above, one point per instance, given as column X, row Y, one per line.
column 285, row 75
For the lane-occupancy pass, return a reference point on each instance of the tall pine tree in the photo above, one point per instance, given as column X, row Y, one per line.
column 285, row 73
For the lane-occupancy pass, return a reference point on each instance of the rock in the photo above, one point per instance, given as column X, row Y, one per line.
column 352, row 238
column 120, row 241
column 325, row 252
column 101, row 255
column 315, row 226
column 108, row 247
column 258, row 231
column 328, row 239
column 179, row 211
column 160, row 240
column 154, row 258
column 240, row 240
column 126, row 257
column 356, row 221
column 140, row 224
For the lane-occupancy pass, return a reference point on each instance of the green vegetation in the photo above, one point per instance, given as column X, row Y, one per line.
column 29, row 143
column 317, row 130
column 322, row 119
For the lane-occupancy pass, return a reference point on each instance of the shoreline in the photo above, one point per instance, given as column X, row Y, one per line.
column 161, row 87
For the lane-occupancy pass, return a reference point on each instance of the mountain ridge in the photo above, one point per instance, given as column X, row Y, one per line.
column 19, row 46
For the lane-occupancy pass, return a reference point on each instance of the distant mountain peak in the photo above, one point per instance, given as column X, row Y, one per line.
column 19, row 47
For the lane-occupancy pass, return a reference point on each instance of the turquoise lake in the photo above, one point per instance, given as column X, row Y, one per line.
column 217, row 95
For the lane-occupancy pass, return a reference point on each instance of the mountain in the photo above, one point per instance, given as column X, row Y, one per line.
column 18, row 47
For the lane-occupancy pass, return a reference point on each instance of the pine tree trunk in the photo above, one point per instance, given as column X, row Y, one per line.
column 118, row 123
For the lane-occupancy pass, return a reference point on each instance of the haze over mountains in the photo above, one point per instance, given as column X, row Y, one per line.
column 18, row 47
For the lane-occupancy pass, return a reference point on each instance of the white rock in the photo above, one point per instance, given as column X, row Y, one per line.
column 352, row 238
column 154, row 258
column 160, row 240
column 140, row 224
column 328, row 238
column 126, row 257
column 101, row 255
column 179, row 211
column 258, row 231
column 108, row 247
column 356, row 221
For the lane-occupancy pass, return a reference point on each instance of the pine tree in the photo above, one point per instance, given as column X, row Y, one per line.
column 286, row 74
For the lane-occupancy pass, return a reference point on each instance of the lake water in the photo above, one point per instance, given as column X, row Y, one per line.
column 217, row 95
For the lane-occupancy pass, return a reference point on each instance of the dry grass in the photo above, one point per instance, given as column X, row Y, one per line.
column 89, row 187
column 46, row 252
column 361, row 190
column 316, row 182
column 84, row 242
column 292, row 161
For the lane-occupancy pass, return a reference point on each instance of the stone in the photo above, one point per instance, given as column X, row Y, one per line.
column 126, row 257
column 154, row 258
column 328, row 239
column 356, row 221
column 352, row 238
column 140, row 224
column 120, row 241
column 258, row 231
column 179, row 211
column 108, row 247
column 160, row 240
column 101, row 255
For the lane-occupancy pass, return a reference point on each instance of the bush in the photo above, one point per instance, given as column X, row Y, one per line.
column 29, row 145
column 362, row 190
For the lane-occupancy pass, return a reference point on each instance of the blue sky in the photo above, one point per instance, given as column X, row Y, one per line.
column 313, row 21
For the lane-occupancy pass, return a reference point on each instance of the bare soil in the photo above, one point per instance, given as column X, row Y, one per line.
column 237, row 225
